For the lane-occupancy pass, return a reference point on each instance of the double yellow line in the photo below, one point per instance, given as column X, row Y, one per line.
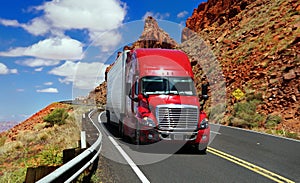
column 273, row 176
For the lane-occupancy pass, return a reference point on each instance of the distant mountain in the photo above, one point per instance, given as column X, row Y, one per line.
column 4, row 126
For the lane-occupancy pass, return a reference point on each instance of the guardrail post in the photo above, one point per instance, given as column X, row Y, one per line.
column 83, row 140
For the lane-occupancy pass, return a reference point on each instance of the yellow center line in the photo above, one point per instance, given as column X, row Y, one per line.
column 271, row 175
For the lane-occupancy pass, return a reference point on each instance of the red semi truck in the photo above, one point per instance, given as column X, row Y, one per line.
column 151, row 97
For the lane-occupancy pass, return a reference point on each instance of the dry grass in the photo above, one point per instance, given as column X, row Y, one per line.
column 41, row 146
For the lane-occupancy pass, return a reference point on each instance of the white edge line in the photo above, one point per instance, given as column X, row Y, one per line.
column 134, row 167
column 215, row 132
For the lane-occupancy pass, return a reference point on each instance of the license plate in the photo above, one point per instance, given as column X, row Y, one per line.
column 178, row 137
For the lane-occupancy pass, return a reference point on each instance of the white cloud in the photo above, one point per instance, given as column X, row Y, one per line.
column 5, row 70
column 37, row 26
column 13, row 23
column 182, row 14
column 48, row 83
column 82, row 75
column 74, row 14
column 52, row 48
column 36, row 62
column 48, row 90
column 92, row 15
column 158, row 16
column 20, row 90
column 58, row 16
column 13, row 71
column 106, row 40
column 40, row 69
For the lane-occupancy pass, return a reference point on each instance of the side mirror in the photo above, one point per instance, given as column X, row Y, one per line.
column 133, row 99
column 204, row 91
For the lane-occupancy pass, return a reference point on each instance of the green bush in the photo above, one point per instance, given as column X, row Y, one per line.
column 57, row 116
column 51, row 156
column 2, row 140
column 245, row 115
column 272, row 121
column 18, row 175
column 254, row 97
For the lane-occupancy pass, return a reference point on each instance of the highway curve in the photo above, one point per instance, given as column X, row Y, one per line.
column 234, row 155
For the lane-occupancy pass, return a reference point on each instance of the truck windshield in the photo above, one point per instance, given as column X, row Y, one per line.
column 168, row 85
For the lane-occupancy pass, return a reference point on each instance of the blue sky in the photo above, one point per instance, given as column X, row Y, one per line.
column 58, row 50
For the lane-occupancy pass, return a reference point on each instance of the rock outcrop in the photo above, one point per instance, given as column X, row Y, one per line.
column 154, row 37
column 215, row 11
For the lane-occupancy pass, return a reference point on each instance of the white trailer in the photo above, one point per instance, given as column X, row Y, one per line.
column 115, row 100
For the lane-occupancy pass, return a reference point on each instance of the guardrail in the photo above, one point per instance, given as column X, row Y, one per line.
column 69, row 171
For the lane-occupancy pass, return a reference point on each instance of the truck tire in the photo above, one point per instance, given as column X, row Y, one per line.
column 121, row 130
column 136, row 139
column 108, row 117
column 201, row 148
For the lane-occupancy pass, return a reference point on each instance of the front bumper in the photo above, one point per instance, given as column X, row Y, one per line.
column 200, row 136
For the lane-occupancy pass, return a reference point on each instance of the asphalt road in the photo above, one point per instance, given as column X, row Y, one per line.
column 234, row 155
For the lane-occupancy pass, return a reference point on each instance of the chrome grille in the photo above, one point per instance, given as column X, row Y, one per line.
column 177, row 117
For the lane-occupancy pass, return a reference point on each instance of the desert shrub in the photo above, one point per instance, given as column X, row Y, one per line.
column 42, row 137
column 216, row 114
column 2, row 140
column 254, row 97
column 272, row 121
column 39, row 126
column 292, row 135
column 18, row 175
column 51, row 156
column 245, row 115
column 283, row 133
column 26, row 137
column 57, row 116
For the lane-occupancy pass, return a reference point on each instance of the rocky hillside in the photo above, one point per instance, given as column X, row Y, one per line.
column 256, row 46
column 35, row 142
column 30, row 123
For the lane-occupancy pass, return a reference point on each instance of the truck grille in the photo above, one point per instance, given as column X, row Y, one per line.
column 177, row 117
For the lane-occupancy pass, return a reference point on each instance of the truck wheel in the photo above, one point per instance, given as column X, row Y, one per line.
column 136, row 138
column 108, row 117
column 121, row 130
column 201, row 148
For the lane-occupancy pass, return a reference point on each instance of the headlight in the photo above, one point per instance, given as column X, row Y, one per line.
column 148, row 122
column 204, row 124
